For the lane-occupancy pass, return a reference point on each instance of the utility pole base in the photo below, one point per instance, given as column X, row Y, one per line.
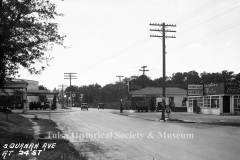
column 24, row 111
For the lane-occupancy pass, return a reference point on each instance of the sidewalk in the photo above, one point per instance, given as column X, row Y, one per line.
column 183, row 117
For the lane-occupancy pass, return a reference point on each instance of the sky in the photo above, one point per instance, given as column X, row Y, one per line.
column 109, row 38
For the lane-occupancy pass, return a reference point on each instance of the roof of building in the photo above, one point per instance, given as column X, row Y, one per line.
column 40, row 92
column 158, row 91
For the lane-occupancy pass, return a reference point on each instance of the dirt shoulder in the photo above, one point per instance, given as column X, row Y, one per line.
column 19, row 141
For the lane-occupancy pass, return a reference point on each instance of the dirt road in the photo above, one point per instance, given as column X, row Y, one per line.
column 103, row 135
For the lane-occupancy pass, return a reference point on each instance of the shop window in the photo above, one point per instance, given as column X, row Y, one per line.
column 207, row 102
column 214, row 103
column 190, row 103
column 236, row 104
column 184, row 103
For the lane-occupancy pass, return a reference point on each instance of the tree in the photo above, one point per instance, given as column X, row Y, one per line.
column 41, row 87
column 237, row 77
column 179, row 80
column 192, row 77
column 26, row 33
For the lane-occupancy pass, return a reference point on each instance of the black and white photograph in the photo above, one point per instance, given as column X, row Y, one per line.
column 119, row 79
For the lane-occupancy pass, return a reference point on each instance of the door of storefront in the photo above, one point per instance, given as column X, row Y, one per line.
column 194, row 106
column 226, row 104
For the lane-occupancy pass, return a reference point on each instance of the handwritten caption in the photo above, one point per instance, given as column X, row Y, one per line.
column 34, row 149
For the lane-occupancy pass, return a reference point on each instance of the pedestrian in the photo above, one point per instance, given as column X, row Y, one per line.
column 121, row 107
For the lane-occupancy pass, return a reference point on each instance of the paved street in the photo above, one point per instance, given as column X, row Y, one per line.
column 103, row 135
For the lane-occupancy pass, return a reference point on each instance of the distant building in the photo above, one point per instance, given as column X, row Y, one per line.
column 175, row 95
column 32, row 92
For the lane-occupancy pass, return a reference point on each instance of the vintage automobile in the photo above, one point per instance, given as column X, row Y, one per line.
column 84, row 106
column 5, row 109
column 38, row 105
column 142, row 106
column 100, row 105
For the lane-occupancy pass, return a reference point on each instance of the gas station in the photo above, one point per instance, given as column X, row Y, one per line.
column 29, row 91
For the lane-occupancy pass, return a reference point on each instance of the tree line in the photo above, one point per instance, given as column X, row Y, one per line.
column 119, row 90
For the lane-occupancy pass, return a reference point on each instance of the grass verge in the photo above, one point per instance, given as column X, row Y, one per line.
column 17, row 132
column 16, row 129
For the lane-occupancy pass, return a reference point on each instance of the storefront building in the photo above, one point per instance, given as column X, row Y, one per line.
column 221, row 98
column 175, row 95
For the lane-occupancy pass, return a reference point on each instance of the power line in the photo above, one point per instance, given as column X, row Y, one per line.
column 201, row 23
column 199, row 11
column 225, row 28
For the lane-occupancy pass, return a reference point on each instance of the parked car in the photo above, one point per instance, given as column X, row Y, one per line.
column 100, row 105
column 142, row 106
column 46, row 105
column 159, row 106
column 84, row 106
column 6, row 110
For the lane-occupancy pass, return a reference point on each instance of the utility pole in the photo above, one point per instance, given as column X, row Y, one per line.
column 119, row 85
column 143, row 74
column 70, row 76
column 62, row 86
column 143, row 69
column 163, row 30
column 121, row 108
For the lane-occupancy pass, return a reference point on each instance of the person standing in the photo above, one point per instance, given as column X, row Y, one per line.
column 121, row 107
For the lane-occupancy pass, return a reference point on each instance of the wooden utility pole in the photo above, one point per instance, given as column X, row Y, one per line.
column 143, row 74
column 62, row 86
column 143, row 69
column 120, row 93
column 70, row 76
column 163, row 31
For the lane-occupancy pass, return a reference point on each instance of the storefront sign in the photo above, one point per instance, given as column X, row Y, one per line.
column 214, row 89
column 193, row 86
column 195, row 90
column 232, row 88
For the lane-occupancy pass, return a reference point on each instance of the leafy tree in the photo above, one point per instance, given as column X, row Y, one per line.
column 26, row 33
column 178, row 78
column 237, row 77
column 41, row 87
column 208, row 78
column 192, row 77
column 227, row 76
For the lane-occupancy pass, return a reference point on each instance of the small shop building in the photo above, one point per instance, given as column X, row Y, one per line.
column 175, row 95
column 221, row 98
column 25, row 91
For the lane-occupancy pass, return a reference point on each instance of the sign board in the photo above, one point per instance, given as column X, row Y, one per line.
column 195, row 90
column 232, row 88
column 168, row 110
column 194, row 86
column 214, row 89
